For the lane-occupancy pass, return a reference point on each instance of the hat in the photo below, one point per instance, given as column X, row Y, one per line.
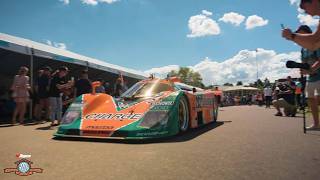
column 47, row 68
column 277, row 89
column 63, row 68
column 304, row 28
column 304, row 1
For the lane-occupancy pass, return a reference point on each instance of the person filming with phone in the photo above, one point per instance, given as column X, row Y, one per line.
column 312, row 59
column 309, row 41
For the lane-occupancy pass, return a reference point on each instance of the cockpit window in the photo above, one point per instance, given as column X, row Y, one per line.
column 147, row 89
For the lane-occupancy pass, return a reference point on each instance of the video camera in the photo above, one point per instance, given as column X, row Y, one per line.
column 293, row 64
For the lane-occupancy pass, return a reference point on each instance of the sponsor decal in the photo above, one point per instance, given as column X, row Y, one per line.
column 23, row 166
column 113, row 116
column 96, row 133
column 163, row 103
column 152, row 133
column 100, row 127
column 202, row 101
column 161, row 108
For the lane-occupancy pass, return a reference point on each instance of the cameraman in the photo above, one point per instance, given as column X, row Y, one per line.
column 313, row 81
column 309, row 41
column 285, row 99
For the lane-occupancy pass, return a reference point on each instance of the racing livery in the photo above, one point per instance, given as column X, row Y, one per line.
column 151, row 108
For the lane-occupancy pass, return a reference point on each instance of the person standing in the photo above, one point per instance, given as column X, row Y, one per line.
column 267, row 95
column 313, row 80
column 57, row 85
column 35, row 97
column 101, row 89
column 20, row 93
column 298, row 93
column 118, row 87
column 43, row 91
column 83, row 85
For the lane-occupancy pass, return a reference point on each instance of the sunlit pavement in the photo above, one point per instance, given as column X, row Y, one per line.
column 248, row 142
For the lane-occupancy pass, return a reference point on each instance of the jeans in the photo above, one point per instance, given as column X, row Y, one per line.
column 56, row 108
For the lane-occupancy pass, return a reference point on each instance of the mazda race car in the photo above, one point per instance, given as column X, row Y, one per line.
column 151, row 108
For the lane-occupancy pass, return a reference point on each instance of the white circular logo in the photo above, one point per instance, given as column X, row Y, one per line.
column 23, row 167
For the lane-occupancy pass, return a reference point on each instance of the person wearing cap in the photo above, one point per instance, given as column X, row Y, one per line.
column 284, row 99
column 313, row 79
column 82, row 85
column 309, row 41
column 43, row 91
column 57, row 85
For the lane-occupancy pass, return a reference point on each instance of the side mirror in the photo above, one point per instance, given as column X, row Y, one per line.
column 94, row 85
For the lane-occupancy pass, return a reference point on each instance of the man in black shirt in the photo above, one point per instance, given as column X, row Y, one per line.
column 57, row 85
column 43, row 90
column 83, row 85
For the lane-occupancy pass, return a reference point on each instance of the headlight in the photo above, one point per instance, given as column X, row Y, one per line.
column 154, row 118
column 69, row 117
column 72, row 113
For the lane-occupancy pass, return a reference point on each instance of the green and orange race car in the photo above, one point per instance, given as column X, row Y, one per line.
column 152, row 108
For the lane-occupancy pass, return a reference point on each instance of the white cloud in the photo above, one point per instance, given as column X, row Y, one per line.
column 56, row 44
column 207, row 13
column 162, row 71
column 241, row 67
column 255, row 21
column 302, row 17
column 307, row 20
column 66, row 2
column 202, row 25
column 95, row 2
column 296, row 2
column 90, row 2
column 232, row 18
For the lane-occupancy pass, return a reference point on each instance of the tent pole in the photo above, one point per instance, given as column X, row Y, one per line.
column 31, row 81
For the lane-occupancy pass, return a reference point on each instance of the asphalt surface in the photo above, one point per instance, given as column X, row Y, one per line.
column 248, row 142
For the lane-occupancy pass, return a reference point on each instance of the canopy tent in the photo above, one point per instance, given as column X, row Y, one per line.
column 239, row 90
column 16, row 52
column 28, row 47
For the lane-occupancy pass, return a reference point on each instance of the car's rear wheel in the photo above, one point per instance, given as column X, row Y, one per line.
column 183, row 111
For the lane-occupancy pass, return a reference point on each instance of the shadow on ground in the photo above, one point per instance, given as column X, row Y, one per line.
column 189, row 135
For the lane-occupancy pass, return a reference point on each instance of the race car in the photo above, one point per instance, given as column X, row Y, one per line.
column 152, row 108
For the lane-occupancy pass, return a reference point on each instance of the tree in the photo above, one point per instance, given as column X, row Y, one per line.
column 239, row 83
column 188, row 76
column 228, row 84
column 259, row 84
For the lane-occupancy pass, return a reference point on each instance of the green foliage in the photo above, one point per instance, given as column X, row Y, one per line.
column 228, row 84
column 239, row 83
column 188, row 76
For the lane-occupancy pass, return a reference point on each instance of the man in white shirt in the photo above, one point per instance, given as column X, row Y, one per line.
column 267, row 95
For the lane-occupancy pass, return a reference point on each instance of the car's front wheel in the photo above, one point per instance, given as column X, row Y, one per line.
column 183, row 114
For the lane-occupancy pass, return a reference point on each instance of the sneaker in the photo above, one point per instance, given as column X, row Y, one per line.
column 313, row 127
column 54, row 123
column 278, row 114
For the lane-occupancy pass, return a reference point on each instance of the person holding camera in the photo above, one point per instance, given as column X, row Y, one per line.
column 285, row 99
column 309, row 41
column 312, row 58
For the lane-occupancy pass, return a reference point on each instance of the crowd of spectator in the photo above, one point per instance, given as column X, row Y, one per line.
column 53, row 92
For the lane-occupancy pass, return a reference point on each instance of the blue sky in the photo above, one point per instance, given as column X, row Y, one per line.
column 144, row 34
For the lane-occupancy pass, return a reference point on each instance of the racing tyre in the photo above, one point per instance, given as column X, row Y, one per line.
column 183, row 115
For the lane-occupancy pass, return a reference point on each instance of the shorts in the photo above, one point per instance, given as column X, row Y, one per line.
column 312, row 89
column 288, row 108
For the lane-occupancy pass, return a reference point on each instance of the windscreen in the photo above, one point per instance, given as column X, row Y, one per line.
column 146, row 89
